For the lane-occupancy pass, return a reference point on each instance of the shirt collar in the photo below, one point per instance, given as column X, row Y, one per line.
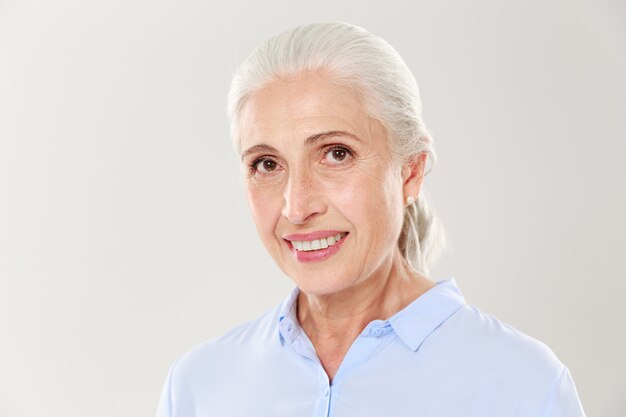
column 413, row 324
column 418, row 320
column 288, row 326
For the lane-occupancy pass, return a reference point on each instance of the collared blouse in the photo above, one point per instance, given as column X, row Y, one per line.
column 438, row 357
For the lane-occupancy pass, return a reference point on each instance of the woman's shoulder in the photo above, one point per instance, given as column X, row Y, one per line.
column 243, row 340
column 471, row 339
column 484, row 339
column 519, row 370
column 206, row 367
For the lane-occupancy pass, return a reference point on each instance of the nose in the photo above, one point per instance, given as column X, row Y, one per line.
column 303, row 199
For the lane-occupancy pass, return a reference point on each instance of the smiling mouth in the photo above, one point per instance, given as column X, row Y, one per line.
column 317, row 244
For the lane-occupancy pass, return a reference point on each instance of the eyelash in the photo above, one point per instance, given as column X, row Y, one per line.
column 253, row 166
column 331, row 148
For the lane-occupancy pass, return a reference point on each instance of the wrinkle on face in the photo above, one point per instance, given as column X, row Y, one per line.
column 364, row 198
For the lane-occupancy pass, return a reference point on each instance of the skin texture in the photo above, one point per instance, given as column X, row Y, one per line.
column 300, row 179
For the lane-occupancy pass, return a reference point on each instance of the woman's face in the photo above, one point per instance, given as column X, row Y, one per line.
column 317, row 168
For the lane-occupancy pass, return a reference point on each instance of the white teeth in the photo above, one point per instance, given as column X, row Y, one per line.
column 309, row 245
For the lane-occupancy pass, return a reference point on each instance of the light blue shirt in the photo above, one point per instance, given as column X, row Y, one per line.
column 438, row 357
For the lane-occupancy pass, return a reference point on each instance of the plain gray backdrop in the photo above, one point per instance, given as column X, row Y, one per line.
column 125, row 238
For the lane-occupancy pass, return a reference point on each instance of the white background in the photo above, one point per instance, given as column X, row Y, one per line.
column 125, row 238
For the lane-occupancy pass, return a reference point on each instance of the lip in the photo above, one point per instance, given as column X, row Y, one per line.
column 320, row 234
column 319, row 254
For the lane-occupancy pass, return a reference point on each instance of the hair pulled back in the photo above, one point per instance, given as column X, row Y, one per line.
column 349, row 55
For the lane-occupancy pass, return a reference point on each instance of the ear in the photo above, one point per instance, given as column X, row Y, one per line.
column 413, row 175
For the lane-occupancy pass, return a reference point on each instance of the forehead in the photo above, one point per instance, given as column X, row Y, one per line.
column 302, row 106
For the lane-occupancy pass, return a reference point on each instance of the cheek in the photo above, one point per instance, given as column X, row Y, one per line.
column 265, row 208
column 370, row 197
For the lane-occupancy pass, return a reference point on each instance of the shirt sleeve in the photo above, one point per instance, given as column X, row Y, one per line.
column 564, row 401
column 165, row 403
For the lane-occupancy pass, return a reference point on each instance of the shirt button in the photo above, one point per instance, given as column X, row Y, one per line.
column 378, row 332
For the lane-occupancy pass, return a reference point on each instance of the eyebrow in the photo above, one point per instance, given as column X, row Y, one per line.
column 311, row 140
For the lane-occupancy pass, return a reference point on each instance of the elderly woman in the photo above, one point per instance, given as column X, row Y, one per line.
column 327, row 120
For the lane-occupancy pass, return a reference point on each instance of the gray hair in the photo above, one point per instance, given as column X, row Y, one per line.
column 349, row 55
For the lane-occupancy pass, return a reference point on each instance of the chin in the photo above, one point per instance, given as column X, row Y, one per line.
column 315, row 286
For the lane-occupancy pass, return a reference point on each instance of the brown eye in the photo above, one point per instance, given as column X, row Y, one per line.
column 337, row 155
column 264, row 165
column 268, row 165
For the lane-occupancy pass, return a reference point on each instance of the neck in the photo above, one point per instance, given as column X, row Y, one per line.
column 340, row 317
